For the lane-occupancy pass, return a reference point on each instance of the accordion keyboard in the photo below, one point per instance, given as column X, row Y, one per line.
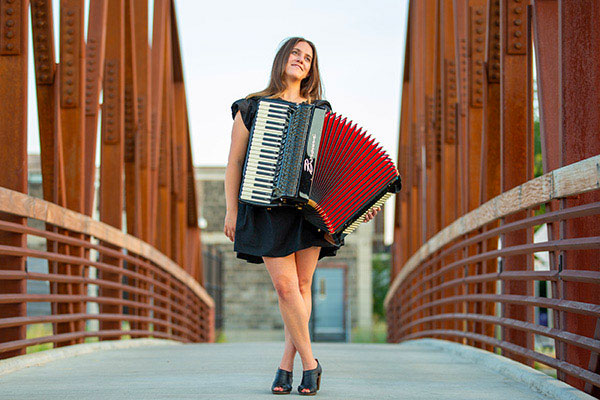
column 263, row 154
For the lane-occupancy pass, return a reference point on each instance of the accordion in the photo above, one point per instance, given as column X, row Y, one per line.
column 305, row 156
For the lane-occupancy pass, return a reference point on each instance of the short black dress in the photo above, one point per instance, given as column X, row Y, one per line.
column 273, row 231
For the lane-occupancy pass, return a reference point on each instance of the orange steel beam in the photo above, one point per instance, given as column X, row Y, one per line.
column 579, row 110
column 461, row 18
column 163, row 144
column 95, row 48
column 516, row 148
column 132, row 152
column 112, row 150
column 430, row 87
column 419, row 129
column 72, row 74
column 476, row 33
column 180, row 159
column 449, row 83
column 132, row 148
column 490, row 146
column 401, row 248
column 430, row 172
column 165, row 179
column 142, row 54
column 46, row 87
column 193, row 241
column 13, row 152
column 71, row 78
column 48, row 99
column 545, row 36
column 157, row 74
column 460, row 27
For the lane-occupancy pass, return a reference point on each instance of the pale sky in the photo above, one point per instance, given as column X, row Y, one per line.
column 228, row 49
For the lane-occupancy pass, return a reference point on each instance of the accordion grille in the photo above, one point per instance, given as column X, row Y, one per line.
column 352, row 171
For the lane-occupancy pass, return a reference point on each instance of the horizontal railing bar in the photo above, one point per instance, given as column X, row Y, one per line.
column 548, row 275
column 93, row 281
column 567, row 213
column 67, row 259
column 19, row 321
column 560, row 365
column 72, row 241
column 576, row 307
column 72, row 298
column 567, row 337
column 60, row 278
column 17, row 203
column 494, row 276
column 580, row 276
column 555, row 245
column 63, row 337
column 580, row 177
column 41, row 319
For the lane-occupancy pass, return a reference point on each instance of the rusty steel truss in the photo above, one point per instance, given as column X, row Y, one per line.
column 464, row 256
column 113, row 81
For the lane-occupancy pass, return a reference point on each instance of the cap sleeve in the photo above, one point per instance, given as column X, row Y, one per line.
column 323, row 103
column 247, row 108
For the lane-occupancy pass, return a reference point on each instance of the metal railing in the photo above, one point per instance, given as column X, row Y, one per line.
column 160, row 298
column 454, row 286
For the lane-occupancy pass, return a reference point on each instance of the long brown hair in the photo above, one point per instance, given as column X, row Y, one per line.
column 310, row 87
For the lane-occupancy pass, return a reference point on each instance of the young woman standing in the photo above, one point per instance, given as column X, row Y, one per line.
column 280, row 237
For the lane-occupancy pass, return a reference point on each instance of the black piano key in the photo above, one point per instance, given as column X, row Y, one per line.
column 274, row 124
column 267, row 199
column 264, row 168
column 269, row 134
column 259, row 192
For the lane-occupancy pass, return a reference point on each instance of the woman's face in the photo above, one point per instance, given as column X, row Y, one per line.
column 299, row 61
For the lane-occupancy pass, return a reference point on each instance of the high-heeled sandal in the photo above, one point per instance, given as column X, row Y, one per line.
column 283, row 379
column 311, row 380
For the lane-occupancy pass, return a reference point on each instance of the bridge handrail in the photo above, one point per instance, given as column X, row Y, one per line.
column 23, row 205
column 573, row 179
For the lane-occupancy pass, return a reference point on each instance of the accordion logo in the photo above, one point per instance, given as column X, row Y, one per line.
column 308, row 165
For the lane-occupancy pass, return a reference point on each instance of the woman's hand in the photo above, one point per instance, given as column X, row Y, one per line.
column 371, row 214
column 229, row 229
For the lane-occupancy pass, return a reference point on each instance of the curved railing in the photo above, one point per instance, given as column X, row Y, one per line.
column 126, row 285
column 453, row 287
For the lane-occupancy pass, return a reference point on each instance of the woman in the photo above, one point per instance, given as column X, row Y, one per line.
column 280, row 237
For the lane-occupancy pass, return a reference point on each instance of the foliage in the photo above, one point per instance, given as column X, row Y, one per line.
column 381, row 265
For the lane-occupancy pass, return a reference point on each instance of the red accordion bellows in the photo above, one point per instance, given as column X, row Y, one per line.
column 351, row 167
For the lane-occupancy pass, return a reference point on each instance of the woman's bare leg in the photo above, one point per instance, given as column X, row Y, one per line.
column 291, row 304
column 306, row 263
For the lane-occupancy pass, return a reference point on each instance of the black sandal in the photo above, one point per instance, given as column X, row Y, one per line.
column 283, row 379
column 311, row 380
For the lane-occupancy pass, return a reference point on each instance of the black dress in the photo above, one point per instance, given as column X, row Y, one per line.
column 273, row 231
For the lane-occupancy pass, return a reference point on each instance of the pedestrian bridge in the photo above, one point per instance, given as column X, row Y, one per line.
column 426, row 369
column 484, row 167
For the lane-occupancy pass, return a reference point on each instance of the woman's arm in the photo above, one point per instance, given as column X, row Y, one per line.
column 233, row 173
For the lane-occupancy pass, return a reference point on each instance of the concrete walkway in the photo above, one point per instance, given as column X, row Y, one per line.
column 420, row 369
